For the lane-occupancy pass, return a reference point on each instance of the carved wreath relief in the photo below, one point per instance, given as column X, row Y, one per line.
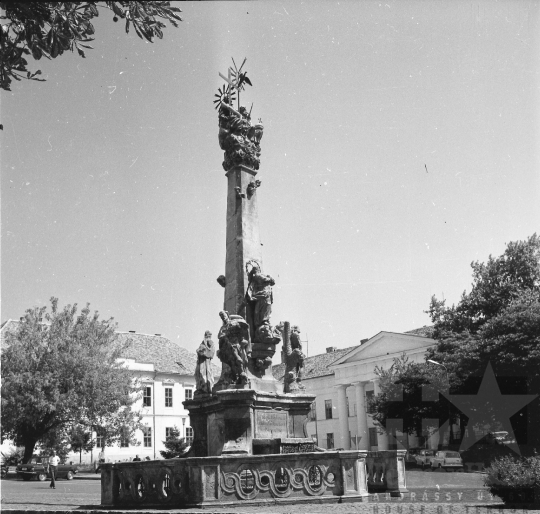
column 280, row 482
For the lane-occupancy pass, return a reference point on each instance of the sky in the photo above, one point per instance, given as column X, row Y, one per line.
column 400, row 144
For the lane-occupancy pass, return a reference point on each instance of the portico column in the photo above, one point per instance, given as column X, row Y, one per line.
column 361, row 416
column 343, row 417
column 382, row 439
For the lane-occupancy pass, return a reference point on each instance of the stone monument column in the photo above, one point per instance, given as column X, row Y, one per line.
column 243, row 241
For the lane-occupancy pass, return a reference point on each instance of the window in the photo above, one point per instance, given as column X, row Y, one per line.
column 373, row 437
column 328, row 408
column 313, row 412
column 168, row 432
column 369, row 396
column 147, row 437
column 124, row 439
column 189, row 435
column 168, row 397
column 147, row 396
column 99, row 438
column 189, row 394
column 329, row 441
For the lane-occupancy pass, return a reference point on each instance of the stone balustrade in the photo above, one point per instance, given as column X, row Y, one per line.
column 333, row 476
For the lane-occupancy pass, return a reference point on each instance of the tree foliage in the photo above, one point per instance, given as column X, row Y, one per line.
column 117, row 427
column 80, row 440
column 409, row 392
column 496, row 284
column 12, row 456
column 175, row 446
column 48, row 29
column 60, row 369
column 498, row 322
column 57, row 440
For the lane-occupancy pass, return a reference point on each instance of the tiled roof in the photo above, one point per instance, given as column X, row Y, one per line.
column 423, row 331
column 315, row 366
column 166, row 356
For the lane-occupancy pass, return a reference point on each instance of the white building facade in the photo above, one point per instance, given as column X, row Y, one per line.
column 343, row 380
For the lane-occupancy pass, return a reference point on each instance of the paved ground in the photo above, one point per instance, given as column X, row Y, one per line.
column 431, row 493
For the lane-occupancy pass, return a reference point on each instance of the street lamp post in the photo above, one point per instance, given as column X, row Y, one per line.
column 450, row 434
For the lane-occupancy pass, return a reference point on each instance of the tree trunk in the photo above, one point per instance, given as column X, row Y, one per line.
column 80, row 456
column 29, row 445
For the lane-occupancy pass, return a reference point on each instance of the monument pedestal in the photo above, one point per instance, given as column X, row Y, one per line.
column 247, row 421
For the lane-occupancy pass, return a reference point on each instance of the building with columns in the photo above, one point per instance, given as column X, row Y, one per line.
column 344, row 379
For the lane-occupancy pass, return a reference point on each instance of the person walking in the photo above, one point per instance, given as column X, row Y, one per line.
column 54, row 460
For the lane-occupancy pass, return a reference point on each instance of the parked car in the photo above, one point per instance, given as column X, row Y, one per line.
column 446, row 460
column 410, row 457
column 422, row 458
column 38, row 468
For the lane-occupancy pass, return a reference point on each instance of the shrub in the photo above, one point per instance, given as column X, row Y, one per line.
column 175, row 446
column 486, row 453
column 515, row 479
column 12, row 456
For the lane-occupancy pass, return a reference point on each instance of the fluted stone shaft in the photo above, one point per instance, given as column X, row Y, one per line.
column 361, row 416
column 343, row 417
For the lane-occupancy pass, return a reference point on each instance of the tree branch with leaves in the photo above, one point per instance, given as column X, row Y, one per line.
column 48, row 29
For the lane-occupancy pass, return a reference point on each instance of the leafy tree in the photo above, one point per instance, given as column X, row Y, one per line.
column 37, row 29
column 175, row 445
column 498, row 322
column 57, row 440
column 117, row 427
column 409, row 392
column 495, row 284
column 61, row 368
column 80, row 440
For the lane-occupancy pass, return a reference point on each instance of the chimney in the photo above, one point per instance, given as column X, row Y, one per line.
column 362, row 341
column 132, row 331
column 331, row 349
